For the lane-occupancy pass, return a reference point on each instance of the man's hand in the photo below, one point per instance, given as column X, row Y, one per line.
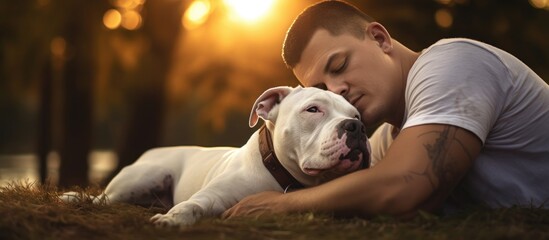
column 257, row 205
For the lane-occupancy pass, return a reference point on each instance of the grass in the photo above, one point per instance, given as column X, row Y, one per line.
column 32, row 212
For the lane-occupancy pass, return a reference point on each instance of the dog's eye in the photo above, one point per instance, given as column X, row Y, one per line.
column 312, row 109
column 357, row 117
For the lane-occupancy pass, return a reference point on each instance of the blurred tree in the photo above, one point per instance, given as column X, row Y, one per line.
column 45, row 134
column 24, row 47
column 80, row 31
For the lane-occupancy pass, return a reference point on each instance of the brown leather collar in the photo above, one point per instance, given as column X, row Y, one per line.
column 271, row 162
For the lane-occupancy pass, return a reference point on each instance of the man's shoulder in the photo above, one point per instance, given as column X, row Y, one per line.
column 463, row 53
column 459, row 42
column 470, row 49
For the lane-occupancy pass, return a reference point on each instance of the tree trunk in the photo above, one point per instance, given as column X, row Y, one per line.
column 45, row 137
column 83, row 22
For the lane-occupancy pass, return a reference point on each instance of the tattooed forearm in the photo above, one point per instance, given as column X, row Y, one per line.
column 442, row 169
column 442, row 163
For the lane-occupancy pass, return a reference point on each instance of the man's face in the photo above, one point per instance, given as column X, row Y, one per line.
column 358, row 69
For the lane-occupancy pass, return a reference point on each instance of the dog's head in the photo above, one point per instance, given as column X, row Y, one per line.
column 317, row 134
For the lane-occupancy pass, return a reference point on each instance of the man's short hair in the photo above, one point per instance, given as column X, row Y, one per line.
column 337, row 17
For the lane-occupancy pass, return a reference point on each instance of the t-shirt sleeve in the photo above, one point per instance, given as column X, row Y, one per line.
column 459, row 84
column 380, row 141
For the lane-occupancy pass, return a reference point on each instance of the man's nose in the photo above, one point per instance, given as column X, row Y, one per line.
column 338, row 87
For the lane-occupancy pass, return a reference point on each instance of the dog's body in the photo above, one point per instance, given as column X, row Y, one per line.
column 315, row 134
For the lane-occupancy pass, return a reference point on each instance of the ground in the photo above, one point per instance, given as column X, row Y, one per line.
column 30, row 212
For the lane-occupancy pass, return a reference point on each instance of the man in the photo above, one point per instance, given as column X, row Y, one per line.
column 470, row 122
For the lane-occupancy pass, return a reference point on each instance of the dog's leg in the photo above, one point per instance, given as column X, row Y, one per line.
column 208, row 202
column 142, row 184
column 188, row 212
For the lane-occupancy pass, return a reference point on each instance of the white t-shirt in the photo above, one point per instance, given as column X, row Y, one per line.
column 489, row 92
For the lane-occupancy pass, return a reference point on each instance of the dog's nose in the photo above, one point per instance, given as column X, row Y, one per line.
column 351, row 126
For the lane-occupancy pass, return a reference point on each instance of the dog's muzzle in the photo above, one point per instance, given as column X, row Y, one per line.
column 356, row 140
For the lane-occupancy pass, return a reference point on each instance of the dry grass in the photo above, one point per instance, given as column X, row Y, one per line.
column 30, row 212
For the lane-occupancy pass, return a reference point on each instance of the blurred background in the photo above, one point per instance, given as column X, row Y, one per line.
column 88, row 86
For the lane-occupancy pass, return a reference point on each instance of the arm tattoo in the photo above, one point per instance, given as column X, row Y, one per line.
column 442, row 167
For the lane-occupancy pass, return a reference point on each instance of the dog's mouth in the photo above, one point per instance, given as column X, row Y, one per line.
column 340, row 155
column 353, row 161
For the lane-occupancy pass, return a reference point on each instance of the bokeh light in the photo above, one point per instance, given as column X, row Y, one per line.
column 444, row 18
column 196, row 14
column 58, row 46
column 131, row 20
column 128, row 4
column 127, row 13
column 112, row 19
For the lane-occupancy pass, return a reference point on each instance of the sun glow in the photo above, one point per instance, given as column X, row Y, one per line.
column 249, row 10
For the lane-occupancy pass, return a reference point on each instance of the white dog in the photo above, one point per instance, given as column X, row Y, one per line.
column 310, row 136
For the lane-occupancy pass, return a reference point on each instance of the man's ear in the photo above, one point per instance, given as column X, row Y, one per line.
column 266, row 102
column 378, row 33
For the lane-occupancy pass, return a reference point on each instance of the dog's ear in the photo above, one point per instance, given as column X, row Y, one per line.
column 266, row 102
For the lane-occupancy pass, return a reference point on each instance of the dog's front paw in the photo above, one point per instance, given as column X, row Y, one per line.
column 76, row 197
column 171, row 220
column 70, row 197
column 163, row 220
